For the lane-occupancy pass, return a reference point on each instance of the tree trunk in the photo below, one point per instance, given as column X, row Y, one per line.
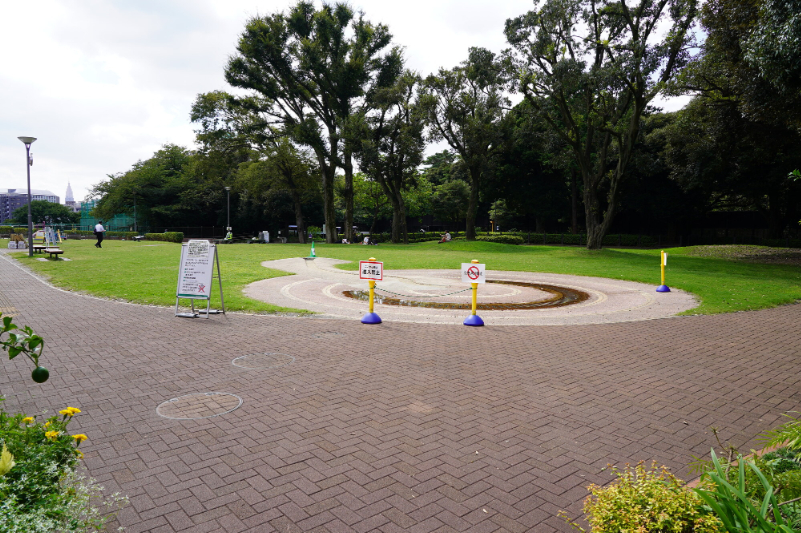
column 348, row 167
column 328, row 204
column 299, row 217
column 574, row 201
column 399, row 232
column 472, row 206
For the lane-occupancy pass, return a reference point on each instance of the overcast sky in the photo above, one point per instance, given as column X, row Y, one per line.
column 104, row 83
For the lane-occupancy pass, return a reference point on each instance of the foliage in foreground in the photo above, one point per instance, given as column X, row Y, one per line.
column 646, row 499
column 40, row 489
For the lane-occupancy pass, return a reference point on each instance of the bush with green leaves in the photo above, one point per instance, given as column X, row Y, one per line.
column 23, row 341
column 168, row 236
column 745, row 500
column 504, row 239
column 643, row 500
column 40, row 489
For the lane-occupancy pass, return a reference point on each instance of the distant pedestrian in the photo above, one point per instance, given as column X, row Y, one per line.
column 99, row 230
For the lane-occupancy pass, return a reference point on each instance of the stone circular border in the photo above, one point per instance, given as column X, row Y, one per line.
column 256, row 361
column 560, row 297
column 199, row 405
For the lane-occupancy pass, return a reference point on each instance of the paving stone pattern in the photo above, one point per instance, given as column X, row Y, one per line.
column 396, row 427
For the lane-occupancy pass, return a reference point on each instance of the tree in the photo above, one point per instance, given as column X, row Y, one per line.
column 739, row 137
column 466, row 108
column 590, row 68
column 162, row 187
column 311, row 71
column 451, row 200
column 284, row 168
column 392, row 146
column 44, row 212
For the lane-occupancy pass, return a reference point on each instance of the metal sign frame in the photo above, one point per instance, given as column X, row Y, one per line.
column 208, row 311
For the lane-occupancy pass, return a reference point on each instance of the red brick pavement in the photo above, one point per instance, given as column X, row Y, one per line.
column 392, row 427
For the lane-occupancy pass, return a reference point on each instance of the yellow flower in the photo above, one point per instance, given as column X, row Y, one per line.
column 52, row 435
column 69, row 411
column 47, row 424
column 79, row 438
column 74, row 410
column 27, row 419
column 80, row 454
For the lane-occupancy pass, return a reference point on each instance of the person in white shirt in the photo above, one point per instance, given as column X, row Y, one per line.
column 99, row 230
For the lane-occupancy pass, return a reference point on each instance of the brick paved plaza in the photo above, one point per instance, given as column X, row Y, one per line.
column 401, row 426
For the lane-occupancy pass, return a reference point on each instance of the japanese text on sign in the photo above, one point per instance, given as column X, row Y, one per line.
column 473, row 273
column 371, row 270
column 194, row 277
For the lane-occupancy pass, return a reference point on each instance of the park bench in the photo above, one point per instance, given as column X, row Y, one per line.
column 39, row 248
column 138, row 238
column 53, row 252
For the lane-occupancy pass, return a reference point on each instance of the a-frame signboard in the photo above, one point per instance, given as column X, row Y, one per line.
column 196, row 275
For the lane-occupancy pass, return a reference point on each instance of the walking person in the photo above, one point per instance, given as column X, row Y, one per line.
column 99, row 230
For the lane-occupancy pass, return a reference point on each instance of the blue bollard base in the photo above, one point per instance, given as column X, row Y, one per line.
column 473, row 320
column 371, row 318
column 663, row 288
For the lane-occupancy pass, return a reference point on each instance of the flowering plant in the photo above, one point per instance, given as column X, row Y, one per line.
column 40, row 489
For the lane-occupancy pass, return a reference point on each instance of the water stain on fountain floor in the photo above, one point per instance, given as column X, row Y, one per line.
column 560, row 297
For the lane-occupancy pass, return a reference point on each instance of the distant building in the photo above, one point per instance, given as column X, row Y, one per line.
column 70, row 202
column 13, row 199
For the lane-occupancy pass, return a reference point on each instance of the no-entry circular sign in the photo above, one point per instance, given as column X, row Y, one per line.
column 473, row 273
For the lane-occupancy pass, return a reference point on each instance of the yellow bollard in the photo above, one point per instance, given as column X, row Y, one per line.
column 371, row 283
column 371, row 317
column 474, row 319
column 662, row 263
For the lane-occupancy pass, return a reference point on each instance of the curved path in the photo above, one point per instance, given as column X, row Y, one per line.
column 418, row 427
column 317, row 285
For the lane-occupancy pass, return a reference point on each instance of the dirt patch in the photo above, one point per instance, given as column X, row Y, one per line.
column 749, row 253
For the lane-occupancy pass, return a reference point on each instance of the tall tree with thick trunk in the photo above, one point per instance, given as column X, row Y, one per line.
column 393, row 145
column 466, row 108
column 313, row 69
column 589, row 68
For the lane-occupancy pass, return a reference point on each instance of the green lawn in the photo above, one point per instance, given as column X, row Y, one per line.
column 147, row 272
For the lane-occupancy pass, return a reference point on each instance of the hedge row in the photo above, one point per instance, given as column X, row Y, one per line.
column 504, row 239
column 169, row 236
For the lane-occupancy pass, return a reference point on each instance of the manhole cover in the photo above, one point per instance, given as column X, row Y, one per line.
column 199, row 405
column 263, row 360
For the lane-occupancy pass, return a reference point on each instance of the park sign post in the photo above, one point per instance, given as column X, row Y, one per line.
column 195, row 276
column 372, row 271
column 473, row 273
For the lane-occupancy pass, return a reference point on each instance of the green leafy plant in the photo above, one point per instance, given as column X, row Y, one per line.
column 645, row 499
column 24, row 341
column 40, row 489
column 168, row 236
column 733, row 503
column 788, row 434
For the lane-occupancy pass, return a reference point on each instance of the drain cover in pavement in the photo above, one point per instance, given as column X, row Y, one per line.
column 199, row 405
column 263, row 360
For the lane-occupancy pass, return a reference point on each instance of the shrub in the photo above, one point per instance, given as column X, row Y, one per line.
column 505, row 239
column 40, row 490
column 642, row 499
column 745, row 500
column 169, row 236
column 125, row 234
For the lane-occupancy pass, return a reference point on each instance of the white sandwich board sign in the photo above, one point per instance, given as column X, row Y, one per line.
column 196, row 273
column 473, row 273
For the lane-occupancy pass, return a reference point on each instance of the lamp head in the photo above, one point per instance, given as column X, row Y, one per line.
column 27, row 140
column 228, row 188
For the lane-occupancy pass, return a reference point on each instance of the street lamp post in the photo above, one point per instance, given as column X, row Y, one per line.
column 28, row 141
column 228, row 194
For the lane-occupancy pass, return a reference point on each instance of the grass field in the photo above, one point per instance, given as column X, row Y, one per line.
column 147, row 272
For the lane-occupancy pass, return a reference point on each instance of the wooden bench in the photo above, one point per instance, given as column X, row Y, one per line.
column 39, row 248
column 53, row 251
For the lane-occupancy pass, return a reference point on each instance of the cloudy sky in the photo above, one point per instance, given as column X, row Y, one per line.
column 105, row 83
